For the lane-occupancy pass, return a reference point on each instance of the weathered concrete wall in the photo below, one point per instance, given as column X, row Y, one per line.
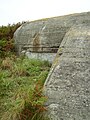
column 47, row 32
column 41, row 56
column 68, row 83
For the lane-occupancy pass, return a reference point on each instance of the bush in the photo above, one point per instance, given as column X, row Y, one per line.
column 6, row 47
column 6, row 39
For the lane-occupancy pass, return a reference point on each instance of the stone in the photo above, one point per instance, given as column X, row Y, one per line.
column 64, row 41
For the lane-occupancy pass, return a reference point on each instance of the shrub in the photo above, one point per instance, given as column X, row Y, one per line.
column 6, row 47
column 6, row 39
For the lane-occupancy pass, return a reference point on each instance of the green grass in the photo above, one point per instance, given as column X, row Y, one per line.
column 21, row 84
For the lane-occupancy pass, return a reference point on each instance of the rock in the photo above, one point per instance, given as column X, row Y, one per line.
column 68, row 83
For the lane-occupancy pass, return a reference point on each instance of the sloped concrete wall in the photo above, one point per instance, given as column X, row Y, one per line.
column 68, row 83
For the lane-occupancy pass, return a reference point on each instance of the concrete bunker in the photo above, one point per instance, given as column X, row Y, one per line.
column 41, row 39
column 68, row 82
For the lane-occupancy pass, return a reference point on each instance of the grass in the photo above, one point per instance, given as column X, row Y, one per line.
column 21, row 84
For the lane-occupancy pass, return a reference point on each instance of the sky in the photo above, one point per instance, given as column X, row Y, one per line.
column 14, row 11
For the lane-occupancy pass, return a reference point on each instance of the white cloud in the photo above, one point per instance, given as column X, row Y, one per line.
column 13, row 11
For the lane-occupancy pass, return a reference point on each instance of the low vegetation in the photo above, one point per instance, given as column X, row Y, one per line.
column 21, row 83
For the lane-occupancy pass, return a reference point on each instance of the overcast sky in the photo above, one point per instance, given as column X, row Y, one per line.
column 13, row 11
